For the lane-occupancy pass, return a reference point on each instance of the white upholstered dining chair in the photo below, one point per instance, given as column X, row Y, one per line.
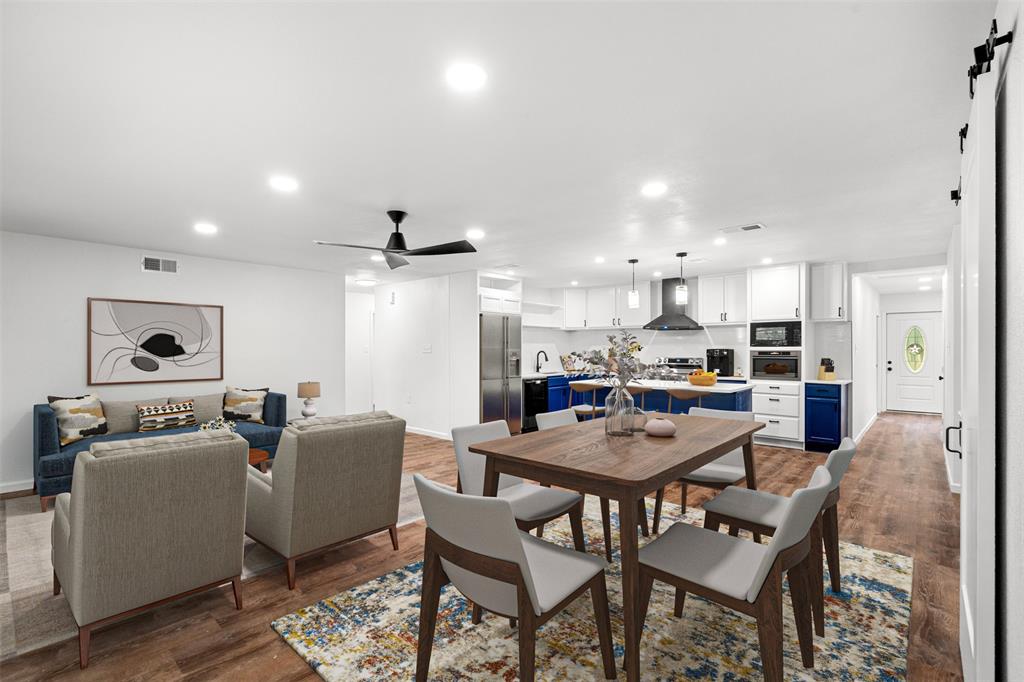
column 474, row 543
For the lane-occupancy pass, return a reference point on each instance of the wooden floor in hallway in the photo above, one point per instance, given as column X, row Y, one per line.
column 894, row 498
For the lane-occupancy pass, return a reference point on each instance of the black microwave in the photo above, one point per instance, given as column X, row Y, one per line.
column 781, row 334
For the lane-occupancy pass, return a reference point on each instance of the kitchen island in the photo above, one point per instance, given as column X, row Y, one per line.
column 723, row 395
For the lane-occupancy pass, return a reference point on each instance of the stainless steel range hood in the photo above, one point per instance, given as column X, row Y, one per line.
column 673, row 317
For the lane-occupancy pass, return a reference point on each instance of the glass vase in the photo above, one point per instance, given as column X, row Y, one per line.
column 618, row 412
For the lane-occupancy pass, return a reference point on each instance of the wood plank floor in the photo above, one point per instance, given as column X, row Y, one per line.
column 895, row 498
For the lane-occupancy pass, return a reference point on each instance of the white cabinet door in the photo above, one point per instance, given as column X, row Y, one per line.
column 633, row 317
column 575, row 308
column 490, row 303
column 775, row 293
column 711, row 299
column 735, row 297
column 601, row 307
column 828, row 291
column 511, row 305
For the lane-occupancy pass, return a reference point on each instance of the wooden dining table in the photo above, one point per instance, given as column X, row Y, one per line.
column 581, row 457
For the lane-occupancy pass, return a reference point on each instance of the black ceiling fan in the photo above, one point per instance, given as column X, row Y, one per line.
column 395, row 251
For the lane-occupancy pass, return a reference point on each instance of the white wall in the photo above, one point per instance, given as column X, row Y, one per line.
column 426, row 352
column 358, row 347
column 914, row 302
column 864, row 314
column 281, row 326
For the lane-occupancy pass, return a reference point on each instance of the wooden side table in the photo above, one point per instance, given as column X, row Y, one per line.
column 259, row 458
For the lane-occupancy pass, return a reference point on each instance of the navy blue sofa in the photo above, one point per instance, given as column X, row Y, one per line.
column 54, row 464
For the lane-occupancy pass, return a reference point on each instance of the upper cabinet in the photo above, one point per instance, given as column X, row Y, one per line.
column 775, row 293
column 722, row 299
column 601, row 307
column 606, row 307
column 575, row 308
column 828, row 291
column 500, row 294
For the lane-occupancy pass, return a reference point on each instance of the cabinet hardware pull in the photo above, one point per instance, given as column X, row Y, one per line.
column 797, row 312
column 774, row 400
column 773, row 421
column 840, row 311
column 725, row 316
column 775, row 388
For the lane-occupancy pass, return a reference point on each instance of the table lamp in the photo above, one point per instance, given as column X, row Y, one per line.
column 309, row 390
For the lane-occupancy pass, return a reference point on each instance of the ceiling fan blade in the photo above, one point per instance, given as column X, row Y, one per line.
column 461, row 246
column 394, row 260
column 347, row 246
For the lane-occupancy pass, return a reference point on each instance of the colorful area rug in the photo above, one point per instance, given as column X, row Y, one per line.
column 370, row 631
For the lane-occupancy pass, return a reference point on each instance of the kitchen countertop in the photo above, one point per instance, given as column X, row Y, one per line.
column 837, row 382
column 717, row 388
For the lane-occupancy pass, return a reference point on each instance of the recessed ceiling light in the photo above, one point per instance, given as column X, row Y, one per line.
column 283, row 183
column 656, row 273
column 720, row 241
column 767, row 260
column 924, row 279
column 474, row 233
column 654, row 189
column 510, row 272
column 377, row 257
column 466, row 77
column 366, row 282
column 574, row 283
column 924, row 288
column 205, row 228
column 599, row 259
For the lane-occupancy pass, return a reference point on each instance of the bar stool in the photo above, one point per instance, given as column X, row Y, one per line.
column 639, row 391
column 684, row 394
column 591, row 387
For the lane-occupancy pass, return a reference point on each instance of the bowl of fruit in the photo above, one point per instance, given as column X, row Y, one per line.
column 699, row 377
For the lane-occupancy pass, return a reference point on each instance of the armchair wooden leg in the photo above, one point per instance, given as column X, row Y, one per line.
column 576, row 521
column 289, row 569
column 540, row 530
column 432, row 581
column 83, row 646
column 599, row 593
column 56, row 584
column 236, row 588
column 769, row 626
column 659, row 497
column 830, row 531
column 798, row 593
column 641, row 515
column 606, row 525
column 393, row 532
column 816, row 577
column 477, row 614
column 734, row 531
column 677, row 609
column 44, row 502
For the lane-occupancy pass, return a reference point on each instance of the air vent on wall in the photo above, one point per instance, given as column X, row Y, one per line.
column 154, row 264
column 742, row 228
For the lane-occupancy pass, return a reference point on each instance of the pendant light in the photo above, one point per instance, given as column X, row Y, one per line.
column 682, row 291
column 633, row 298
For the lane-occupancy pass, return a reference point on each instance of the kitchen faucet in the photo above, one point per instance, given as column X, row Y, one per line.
column 540, row 353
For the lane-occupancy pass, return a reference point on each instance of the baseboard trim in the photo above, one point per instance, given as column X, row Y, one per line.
column 871, row 422
column 953, row 487
column 16, row 488
column 428, row 432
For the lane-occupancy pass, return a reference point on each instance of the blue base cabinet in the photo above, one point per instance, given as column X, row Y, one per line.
column 558, row 393
column 657, row 401
column 825, row 416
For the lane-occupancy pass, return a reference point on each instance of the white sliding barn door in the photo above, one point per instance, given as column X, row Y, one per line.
column 977, row 404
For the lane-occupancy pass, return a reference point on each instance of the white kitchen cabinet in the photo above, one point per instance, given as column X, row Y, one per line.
column 633, row 317
column 575, row 308
column 512, row 305
column 722, row 299
column 775, row 293
column 601, row 310
column 828, row 291
column 490, row 302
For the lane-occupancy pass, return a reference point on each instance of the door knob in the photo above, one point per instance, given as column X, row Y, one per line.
column 888, row 369
column 941, row 377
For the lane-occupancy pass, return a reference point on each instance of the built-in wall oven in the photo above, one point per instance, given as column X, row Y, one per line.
column 778, row 334
column 776, row 365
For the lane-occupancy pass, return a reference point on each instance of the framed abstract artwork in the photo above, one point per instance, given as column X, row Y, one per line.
column 134, row 342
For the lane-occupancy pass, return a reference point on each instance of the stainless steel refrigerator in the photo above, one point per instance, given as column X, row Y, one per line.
column 501, row 379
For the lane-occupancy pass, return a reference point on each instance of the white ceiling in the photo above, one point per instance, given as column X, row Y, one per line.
column 832, row 123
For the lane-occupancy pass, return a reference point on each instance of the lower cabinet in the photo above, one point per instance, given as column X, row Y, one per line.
column 825, row 416
column 558, row 393
column 777, row 406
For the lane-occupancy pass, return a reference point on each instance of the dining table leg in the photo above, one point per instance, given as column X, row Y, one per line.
column 751, row 472
column 630, row 584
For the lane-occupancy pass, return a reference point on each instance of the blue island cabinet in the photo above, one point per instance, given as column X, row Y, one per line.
column 657, row 401
column 558, row 393
column 825, row 418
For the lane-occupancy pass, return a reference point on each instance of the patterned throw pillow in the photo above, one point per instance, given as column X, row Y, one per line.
column 78, row 418
column 160, row 417
column 244, row 404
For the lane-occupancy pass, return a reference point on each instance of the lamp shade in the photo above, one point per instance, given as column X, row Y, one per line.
column 309, row 389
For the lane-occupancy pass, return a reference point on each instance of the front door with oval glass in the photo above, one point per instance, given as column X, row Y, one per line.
column 913, row 362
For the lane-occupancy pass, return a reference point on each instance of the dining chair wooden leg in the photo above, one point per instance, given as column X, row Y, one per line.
column 599, row 594
column 768, row 607
column 799, row 589
column 56, row 583
column 576, row 522
column 682, row 496
column 478, row 614
column 734, row 531
column 513, row 623
column 680, row 602
column 659, row 497
column 432, row 580
column 641, row 516
column 606, row 525
column 830, row 532
column 646, row 587
column 815, row 562
column 712, row 522
column 527, row 641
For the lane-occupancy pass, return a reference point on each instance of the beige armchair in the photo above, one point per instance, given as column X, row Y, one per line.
column 335, row 479
column 147, row 521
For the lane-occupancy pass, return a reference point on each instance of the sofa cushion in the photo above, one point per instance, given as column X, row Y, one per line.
column 259, row 435
column 165, row 417
column 311, row 422
column 123, row 415
column 124, row 445
column 78, row 417
column 207, row 407
column 244, row 404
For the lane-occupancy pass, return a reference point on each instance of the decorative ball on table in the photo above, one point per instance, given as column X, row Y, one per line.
column 309, row 390
column 660, row 428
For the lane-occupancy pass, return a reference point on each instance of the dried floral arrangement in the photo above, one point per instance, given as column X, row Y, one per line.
column 218, row 423
column 619, row 363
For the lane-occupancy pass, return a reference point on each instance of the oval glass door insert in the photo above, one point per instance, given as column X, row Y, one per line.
column 914, row 349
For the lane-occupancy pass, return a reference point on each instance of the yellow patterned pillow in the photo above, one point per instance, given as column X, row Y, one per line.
column 244, row 405
column 173, row 416
column 78, row 418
